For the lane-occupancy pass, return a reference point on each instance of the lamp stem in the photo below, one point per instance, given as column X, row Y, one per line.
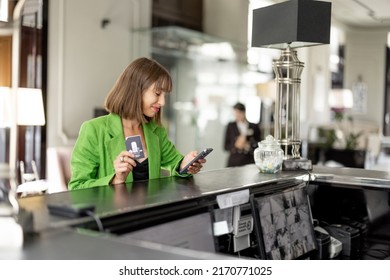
column 288, row 70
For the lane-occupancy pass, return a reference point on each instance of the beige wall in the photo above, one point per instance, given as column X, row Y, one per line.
column 84, row 58
column 227, row 19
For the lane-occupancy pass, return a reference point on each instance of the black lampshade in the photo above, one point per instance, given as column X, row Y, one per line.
column 296, row 22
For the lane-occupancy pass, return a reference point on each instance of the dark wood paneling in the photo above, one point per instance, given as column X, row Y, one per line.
column 184, row 13
column 5, row 60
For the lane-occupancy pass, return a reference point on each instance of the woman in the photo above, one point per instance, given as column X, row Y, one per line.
column 134, row 104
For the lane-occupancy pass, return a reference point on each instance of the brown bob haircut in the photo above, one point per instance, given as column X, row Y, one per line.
column 125, row 97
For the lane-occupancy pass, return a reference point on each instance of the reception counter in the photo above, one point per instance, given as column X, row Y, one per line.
column 122, row 209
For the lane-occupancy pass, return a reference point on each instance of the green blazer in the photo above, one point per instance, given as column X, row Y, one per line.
column 101, row 140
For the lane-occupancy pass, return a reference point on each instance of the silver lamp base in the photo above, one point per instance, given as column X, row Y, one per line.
column 297, row 164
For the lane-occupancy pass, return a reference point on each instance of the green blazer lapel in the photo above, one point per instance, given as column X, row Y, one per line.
column 115, row 141
column 153, row 146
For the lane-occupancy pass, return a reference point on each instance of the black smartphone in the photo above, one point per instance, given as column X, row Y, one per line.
column 71, row 210
column 201, row 155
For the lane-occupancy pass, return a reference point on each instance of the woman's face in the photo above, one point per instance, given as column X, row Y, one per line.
column 152, row 101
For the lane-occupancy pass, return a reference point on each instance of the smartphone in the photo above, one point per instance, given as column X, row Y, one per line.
column 201, row 155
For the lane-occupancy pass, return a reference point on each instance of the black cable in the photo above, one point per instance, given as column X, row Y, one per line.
column 97, row 220
column 307, row 172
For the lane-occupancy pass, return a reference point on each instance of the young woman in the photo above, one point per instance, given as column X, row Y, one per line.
column 134, row 104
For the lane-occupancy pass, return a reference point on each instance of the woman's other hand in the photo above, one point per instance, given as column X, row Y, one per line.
column 196, row 166
column 123, row 165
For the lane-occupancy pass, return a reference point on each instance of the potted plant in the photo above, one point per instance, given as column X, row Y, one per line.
column 343, row 143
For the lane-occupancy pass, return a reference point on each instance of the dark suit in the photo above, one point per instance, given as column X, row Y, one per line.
column 239, row 157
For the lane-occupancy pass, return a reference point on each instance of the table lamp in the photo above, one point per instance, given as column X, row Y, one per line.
column 5, row 107
column 11, row 233
column 30, row 113
column 30, row 107
column 286, row 26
